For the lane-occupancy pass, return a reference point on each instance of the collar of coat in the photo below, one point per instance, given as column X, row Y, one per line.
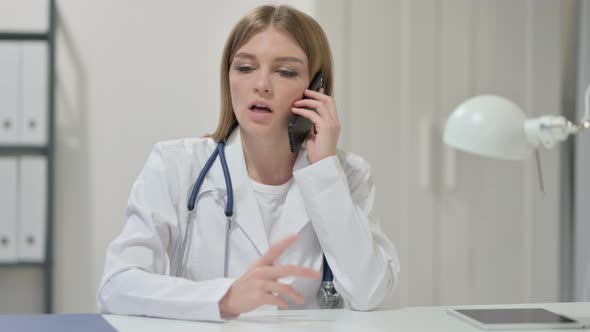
column 246, row 209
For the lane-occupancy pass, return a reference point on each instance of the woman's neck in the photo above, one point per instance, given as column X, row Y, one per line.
column 269, row 161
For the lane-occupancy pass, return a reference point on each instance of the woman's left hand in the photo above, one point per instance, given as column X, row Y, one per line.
column 323, row 142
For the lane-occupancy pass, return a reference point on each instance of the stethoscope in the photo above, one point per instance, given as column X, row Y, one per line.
column 327, row 296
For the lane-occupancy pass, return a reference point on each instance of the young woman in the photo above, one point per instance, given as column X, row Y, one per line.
column 294, row 215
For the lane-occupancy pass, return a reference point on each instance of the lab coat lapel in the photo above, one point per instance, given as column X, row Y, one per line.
column 248, row 218
column 294, row 216
column 246, row 211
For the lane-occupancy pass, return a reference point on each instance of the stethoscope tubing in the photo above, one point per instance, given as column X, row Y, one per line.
column 192, row 201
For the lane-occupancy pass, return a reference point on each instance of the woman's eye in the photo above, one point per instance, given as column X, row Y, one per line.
column 287, row 73
column 245, row 69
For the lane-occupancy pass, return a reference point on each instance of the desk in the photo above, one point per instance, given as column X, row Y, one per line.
column 406, row 319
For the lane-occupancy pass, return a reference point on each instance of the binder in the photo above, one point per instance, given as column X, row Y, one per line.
column 8, row 210
column 32, row 208
column 9, row 91
column 34, row 79
column 27, row 16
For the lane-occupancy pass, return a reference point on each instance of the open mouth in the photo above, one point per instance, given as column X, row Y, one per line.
column 260, row 109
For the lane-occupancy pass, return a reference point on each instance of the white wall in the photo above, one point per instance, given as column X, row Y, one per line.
column 468, row 229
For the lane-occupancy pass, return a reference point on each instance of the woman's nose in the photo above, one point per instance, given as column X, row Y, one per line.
column 263, row 85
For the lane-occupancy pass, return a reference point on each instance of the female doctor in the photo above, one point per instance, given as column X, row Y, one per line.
column 290, row 210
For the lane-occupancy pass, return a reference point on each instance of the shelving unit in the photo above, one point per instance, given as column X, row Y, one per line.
column 47, row 150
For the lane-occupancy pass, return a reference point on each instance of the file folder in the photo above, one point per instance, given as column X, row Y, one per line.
column 8, row 210
column 34, row 79
column 27, row 16
column 32, row 208
column 9, row 91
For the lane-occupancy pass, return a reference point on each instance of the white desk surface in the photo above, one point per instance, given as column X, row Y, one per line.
column 405, row 319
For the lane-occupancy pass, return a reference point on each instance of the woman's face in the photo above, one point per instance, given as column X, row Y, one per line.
column 267, row 74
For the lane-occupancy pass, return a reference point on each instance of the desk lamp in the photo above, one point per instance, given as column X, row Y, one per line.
column 495, row 127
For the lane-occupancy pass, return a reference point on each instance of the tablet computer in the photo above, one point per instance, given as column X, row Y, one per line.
column 515, row 319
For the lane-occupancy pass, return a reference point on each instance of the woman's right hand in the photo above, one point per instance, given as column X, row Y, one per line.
column 259, row 285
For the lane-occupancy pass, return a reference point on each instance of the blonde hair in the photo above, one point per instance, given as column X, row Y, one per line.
column 300, row 26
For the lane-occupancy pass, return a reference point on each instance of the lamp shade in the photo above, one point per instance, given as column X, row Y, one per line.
column 489, row 125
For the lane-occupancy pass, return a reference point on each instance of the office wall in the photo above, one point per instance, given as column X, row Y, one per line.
column 468, row 229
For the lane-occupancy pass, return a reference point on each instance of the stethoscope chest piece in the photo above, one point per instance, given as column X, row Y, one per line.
column 327, row 296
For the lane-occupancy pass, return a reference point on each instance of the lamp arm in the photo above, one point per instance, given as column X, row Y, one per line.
column 550, row 129
column 547, row 130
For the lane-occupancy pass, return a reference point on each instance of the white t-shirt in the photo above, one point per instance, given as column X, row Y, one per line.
column 271, row 200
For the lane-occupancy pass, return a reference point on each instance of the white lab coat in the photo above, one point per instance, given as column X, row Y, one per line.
column 330, row 204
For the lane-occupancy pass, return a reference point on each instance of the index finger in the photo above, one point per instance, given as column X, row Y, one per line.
column 318, row 95
column 276, row 250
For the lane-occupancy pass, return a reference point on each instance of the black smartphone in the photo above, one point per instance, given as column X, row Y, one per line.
column 299, row 126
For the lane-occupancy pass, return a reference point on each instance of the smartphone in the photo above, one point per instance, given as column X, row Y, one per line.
column 299, row 126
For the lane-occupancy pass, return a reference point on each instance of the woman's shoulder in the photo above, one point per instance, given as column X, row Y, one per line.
column 185, row 147
column 180, row 156
column 178, row 161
